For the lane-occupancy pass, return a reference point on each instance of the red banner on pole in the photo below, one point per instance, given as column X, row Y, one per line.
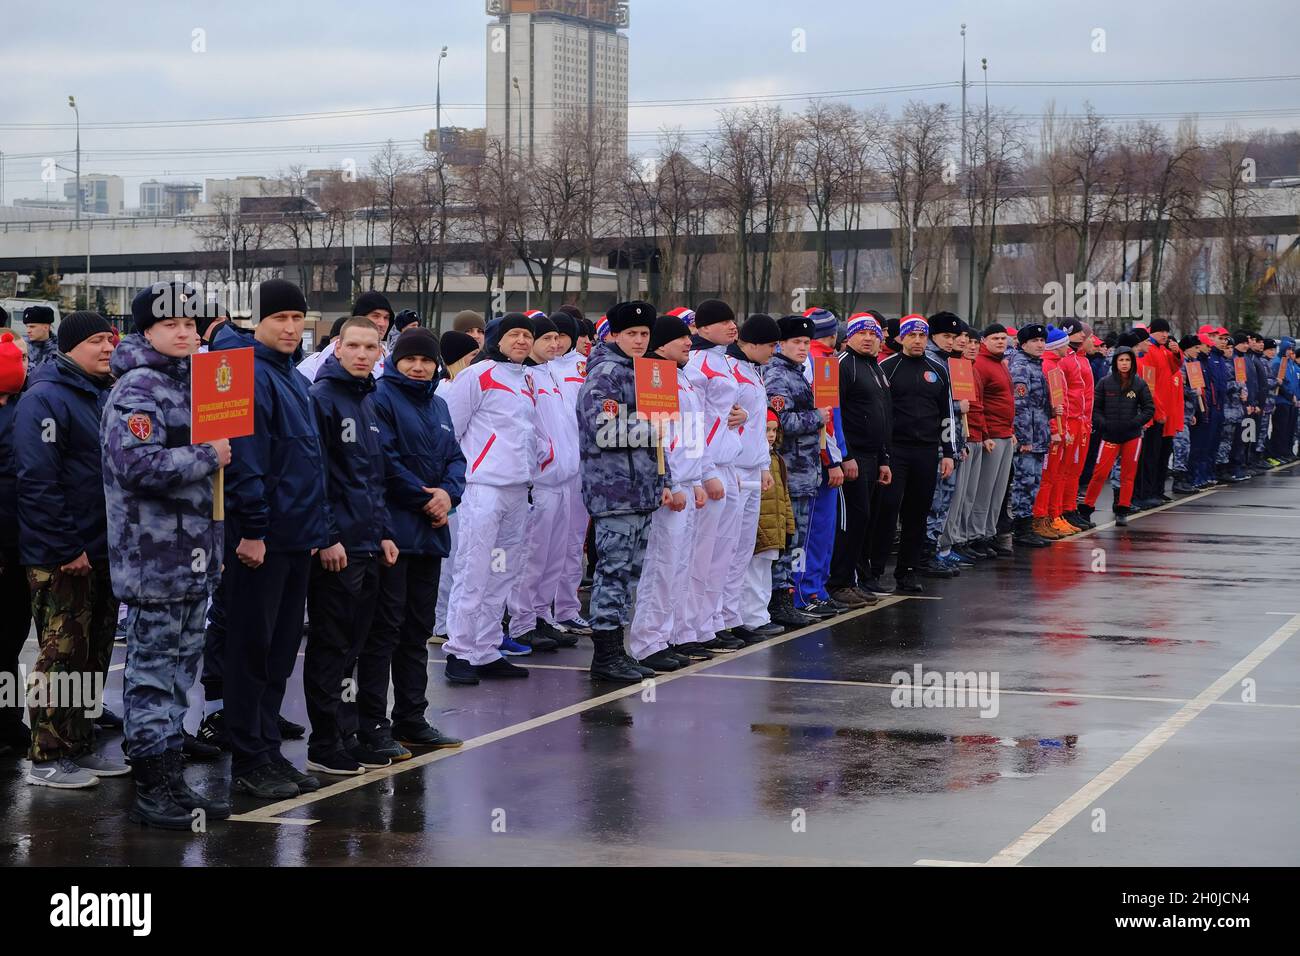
column 962, row 374
column 1195, row 377
column 656, row 388
column 221, row 395
column 826, row 382
column 1056, row 385
column 1239, row 366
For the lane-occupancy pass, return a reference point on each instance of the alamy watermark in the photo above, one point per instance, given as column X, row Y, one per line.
column 1096, row 300
column 937, row 689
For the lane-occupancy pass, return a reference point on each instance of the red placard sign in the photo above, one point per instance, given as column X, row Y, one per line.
column 1281, row 369
column 826, row 382
column 1195, row 377
column 1239, row 366
column 1056, row 385
column 656, row 388
column 221, row 395
column 962, row 374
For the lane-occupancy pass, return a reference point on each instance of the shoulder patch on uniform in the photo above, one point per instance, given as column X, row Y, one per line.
column 1021, row 390
column 141, row 426
column 777, row 403
column 582, row 368
column 609, row 407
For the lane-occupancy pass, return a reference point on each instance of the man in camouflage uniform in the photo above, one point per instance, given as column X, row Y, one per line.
column 164, row 548
column 790, row 395
column 1234, row 412
column 41, row 347
column 621, row 485
column 1190, row 346
column 63, row 545
column 1033, row 430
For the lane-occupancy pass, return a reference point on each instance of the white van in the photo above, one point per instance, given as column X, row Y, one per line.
column 15, row 309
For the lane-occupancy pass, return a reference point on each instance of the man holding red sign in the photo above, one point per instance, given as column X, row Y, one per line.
column 164, row 545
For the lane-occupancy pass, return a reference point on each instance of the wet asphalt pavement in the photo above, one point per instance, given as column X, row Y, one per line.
column 792, row 753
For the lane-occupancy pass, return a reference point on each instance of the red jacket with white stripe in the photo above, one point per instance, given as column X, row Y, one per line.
column 494, row 410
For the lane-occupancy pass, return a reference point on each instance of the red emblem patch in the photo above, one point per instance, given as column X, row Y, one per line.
column 582, row 368
column 777, row 402
column 609, row 407
column 1021, row 389
column 141, row 426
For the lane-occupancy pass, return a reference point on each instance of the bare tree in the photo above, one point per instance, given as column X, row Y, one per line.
column 997, row 155
column 423, row 225
column 388, row 168
column 1231, row 201
column 493, row 209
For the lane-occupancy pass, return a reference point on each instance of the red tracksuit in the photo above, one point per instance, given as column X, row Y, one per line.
column 1078, row 415
column 1128, row 453
column 1054, row 468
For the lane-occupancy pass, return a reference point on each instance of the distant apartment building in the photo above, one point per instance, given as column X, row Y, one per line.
column 100, row 194
column 554, row 62
column 168, row 199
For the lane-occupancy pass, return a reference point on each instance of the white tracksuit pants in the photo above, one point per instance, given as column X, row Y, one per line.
column 489, row 547
column 574, row 535
column 541, row 560
column 758, row 589
column 444, row 580
column 751, row 500
column 660, row 617
column 717, row 527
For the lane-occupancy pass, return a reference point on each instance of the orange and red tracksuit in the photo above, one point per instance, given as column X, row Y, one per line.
column 1054, row 467
column 1175, row 412
column 1078, row 415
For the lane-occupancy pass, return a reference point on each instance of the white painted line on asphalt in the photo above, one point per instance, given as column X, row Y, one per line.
column 1001, row 690
column 271, row 812
column 1088, row 794
column 945, row 863
column 1142, row 514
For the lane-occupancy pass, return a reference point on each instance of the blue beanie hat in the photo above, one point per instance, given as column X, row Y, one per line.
column 1056, row 339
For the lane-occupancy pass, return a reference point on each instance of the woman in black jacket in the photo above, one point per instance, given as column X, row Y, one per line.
column 1122, row 407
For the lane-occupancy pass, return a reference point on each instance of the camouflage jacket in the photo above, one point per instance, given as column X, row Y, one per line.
column 790, row 395
column 163, row 545
column 1033, row 422
column 38, row 353
column 620, row 472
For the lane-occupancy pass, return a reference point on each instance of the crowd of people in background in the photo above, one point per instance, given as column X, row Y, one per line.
column 403, row 488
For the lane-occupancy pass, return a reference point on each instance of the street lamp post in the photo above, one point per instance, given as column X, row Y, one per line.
column 72, row 102
column 438, row 103
column 520, row 94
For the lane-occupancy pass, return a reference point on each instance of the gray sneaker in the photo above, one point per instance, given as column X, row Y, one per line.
column 62, row 774
column 101, row 766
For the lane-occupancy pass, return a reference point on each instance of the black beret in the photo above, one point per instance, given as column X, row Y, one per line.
column 945, row 322
column 760, row 329
column 630, row 315
column 1028, row 333
column 712, row 311
column 792, row 326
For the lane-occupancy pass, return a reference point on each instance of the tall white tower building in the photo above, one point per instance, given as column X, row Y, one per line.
column 551, row 63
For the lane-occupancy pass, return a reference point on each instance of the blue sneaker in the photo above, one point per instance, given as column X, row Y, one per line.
column 511, row 648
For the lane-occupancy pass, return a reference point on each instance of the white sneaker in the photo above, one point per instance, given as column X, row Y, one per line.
column 62, row 774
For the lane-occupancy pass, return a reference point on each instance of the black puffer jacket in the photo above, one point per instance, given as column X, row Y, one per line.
column 1121, row 410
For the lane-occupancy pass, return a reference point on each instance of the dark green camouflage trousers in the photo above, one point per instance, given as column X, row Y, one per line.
column 75, row 620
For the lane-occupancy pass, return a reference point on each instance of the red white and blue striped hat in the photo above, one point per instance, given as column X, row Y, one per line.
column 602, row 328
column 864, row 322
column 913, row 323
column 685, row 314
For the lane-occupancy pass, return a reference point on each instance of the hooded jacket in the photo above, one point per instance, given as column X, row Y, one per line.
column 356, row 466
column 620, row 472
column 420, row 444
column 1288, row 389
column 1120, row 411
column 163, row 545
column 60, row 470
column 275, row 484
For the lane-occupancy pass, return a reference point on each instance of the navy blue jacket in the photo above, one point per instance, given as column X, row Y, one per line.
column 60, row 469
column 275, row 483
column 354, row 457
column 8, row 476
column 1219, row 377
column 420, row 442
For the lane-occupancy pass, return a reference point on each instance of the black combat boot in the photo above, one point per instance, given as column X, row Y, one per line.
column 154, row 804
column 174, row 763
column 1024, row 534
column 609, row 662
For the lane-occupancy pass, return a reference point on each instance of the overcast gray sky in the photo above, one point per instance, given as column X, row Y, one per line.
column 132, row 62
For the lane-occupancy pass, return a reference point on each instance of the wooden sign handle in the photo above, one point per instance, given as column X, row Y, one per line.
column 219, row 495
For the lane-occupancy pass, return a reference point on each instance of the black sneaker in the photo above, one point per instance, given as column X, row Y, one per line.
column 717, row 647
column 381, row 742
column 874, row 585
column 934, row 568
column 816, row 608
column 682, row 659
column 266, row 783
column 425, row 736
column 304, row 782
column 907, row 584
column 460, row 671
column 661, row 662
column 366, row 755
column 501, row 668
column 338, row 763
column 538, row 641
column 212, row 730
column 562, row 638
column 289, row 730
column 196, row 749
